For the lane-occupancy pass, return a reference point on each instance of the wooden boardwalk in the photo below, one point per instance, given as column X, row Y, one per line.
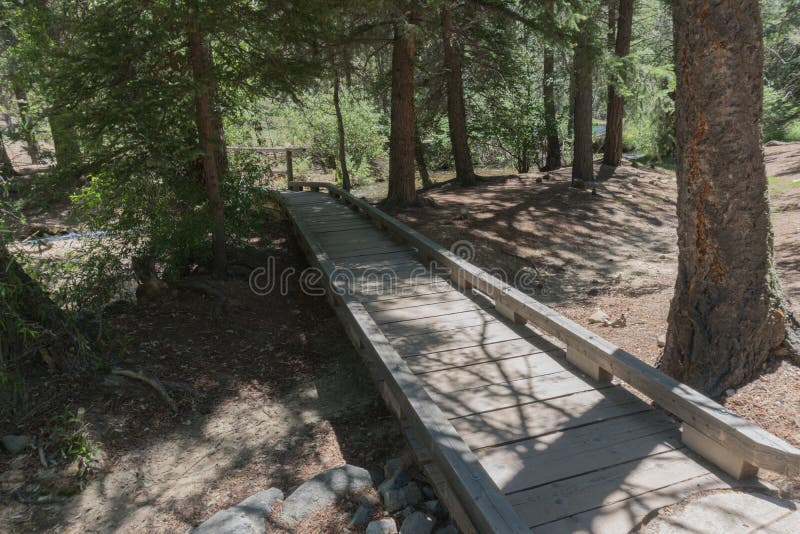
column 514, row 414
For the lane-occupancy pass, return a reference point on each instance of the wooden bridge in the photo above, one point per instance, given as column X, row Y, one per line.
column 523, row 419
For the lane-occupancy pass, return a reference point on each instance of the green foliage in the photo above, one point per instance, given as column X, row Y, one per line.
column 312, row 123
column 71, row 438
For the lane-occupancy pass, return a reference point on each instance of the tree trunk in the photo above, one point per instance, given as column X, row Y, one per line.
column 728, row 312
column 456, row 113
column 553, row 159
column 210, row 143
column 582, row 146
column 402, row 190
column 65, row 141
column 419, row 153
column 26, row 121
column 340, row 132
column 612, row 148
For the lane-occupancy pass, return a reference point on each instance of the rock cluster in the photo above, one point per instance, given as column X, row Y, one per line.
column 407, row 505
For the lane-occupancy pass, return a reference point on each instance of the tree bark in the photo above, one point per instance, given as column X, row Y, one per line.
column 553, row 158
column 340, row 132
column 65, row 141
column 582, row 146
column 210, row 143
column 402, row 190
column 612, row 148
column 456, row 112
column 728, row 312
column 419, row 153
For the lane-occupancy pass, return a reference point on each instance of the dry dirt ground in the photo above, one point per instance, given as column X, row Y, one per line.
column 615, row 250
column 269, row 389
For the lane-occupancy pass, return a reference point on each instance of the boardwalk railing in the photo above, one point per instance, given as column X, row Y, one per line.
column 735, row 445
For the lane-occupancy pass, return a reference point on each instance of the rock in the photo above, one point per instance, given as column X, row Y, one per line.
column 362, row 515
column 428, row 492
column 599, row 316
column 407, row 511
column 418, row 523
column 449, row 529
column 412, row 493
column 324, row 490
column 538, row 179
column 662, row 340
column 730, row 392
column 593, row 292
column 249, row 516
column 16, row 444
column 433, row 506
column 394, row 500
column 620, row 322
column 396, row 481
column 392, row 467
column 383, row 526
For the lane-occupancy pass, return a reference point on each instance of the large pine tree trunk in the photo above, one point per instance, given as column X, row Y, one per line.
column 582, row 169
column 340, row 133
column 65, row 140
column 208, row 129
column 612, row 151
column 456, row 112
column 402, row 189
column 727, row 314
column 553, row 158
column 419, row 153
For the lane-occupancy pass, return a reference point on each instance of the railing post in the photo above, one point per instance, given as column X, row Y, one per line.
column 289, row 171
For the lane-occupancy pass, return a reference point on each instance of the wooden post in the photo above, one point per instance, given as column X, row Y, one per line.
column 289, row 171
column 718, row 454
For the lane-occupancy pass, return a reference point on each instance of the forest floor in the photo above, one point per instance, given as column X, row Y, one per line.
column 269, row 389
column 615, row 251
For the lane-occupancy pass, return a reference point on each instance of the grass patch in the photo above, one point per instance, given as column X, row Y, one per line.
column 779, row 185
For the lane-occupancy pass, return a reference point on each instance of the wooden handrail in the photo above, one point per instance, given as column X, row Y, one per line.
column 732, row 433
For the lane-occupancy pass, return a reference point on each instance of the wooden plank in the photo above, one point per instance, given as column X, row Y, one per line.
column 413, row 301
column 628, row 514
column 435, row 325
column 484, row 374
column 375, row 258
column 436, row 287
column 560, row 455
column 754, row 444
column 422, row 310
column 456, row 339
column 486, row 352
column 555, row 501
column 551, row 415
column 519, row 392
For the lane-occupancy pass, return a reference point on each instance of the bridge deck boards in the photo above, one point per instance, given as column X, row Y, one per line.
column 571, row 454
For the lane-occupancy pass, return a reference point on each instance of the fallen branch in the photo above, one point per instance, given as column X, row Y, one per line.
column 149, row 380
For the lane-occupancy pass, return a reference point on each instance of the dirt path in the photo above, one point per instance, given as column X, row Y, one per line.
column 270, row 393
column 615, row 250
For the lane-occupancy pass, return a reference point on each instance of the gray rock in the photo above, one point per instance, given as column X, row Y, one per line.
column 433, row 506
column 661, row 341
column 412, row 493
column 323, row 490
column 362, row 515
column 428, row 492
column 449, row 529
column 16, row 444
column 398, row 480
column 383, row 526
column 394, row 500
column 247, row 517
column 418, row 523
column 392, row 466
